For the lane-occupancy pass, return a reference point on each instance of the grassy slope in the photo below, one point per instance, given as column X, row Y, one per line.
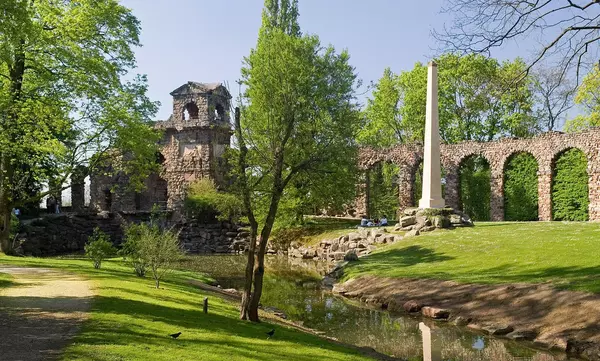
column 566, row 254
column 130, row 320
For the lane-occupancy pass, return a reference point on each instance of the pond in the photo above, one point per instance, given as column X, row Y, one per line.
column 294, row 287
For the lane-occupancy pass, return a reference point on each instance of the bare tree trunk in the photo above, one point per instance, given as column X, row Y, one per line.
column 247, row 294
column 5, row 210
column 259, row 268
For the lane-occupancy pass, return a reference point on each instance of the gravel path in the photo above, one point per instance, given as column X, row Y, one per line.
column 41, row 312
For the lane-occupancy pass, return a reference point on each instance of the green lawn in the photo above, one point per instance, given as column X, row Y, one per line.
column 130, row 320
column 565, row 254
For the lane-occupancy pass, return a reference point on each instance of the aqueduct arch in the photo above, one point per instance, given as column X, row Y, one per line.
column 543, row 147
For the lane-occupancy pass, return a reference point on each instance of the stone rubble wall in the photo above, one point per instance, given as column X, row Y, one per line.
column 348, row 247
column 545, row 148
column 67, row 233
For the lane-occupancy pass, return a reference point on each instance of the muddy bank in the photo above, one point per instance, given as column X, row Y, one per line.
column 564, row 320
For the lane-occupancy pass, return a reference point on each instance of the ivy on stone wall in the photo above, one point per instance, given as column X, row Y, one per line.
column 383, row 190
column 570, row 187
column 521, row 188
column 474, row 176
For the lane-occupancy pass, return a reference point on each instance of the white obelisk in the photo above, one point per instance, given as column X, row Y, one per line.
column 432, row 177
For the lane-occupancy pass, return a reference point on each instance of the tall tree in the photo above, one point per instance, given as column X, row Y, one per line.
column 383, row 125
column 298, row 118
column 62, row 99
column 478, row 100
column 568, row 29
column 554, row 96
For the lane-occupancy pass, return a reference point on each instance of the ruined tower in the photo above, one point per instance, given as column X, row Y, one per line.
column 194, row 139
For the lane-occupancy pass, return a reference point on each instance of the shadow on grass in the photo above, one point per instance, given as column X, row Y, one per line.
column 402, row 257
column 148, row 324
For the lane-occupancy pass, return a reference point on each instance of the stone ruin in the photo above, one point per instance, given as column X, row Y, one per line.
column 545, row 148
column 194, row 140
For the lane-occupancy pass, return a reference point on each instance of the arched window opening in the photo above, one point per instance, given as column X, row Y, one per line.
column 383, row 190
column 107, row 199
column 190, row 111
column 521, row 188
column 219, row 112
column 475, row 187
column 570, row 193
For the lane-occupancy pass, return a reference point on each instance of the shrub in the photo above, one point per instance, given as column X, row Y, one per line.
column 131, row 248
column 570, row 187
column 204, row 203
column 159, row 249
column 98, row 247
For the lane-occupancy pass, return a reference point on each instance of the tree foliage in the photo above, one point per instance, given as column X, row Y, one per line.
column 298, row 119
column 478, row 100
column 474, row 189
column 62, row 97
column 570, row 187
column 588, row 99
column 203, row 202
column 521, row 188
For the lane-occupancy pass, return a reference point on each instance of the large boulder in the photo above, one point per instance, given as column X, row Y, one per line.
column 351, row 256
column 407, row 221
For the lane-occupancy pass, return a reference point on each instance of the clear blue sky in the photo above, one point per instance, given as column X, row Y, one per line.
column 205, row 40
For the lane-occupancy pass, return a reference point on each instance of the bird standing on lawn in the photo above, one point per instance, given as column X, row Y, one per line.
column 270, row 333
column 175, row 335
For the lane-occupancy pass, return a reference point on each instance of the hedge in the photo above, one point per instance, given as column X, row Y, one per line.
column 474, row 189
column 521, row 188
column 570, row 187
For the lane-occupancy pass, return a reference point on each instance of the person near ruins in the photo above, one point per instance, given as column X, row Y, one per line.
column 383, row 221
column 364, row 221
column 50, row 202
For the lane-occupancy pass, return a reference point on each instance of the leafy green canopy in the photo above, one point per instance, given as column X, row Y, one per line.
column 478, row 100
column 474, row 189
column 521, row 188
column 570, row 187
column 588, row 99
column 300, row 108
column 62, row 94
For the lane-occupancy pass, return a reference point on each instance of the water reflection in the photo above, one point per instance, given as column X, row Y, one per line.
column 294, row 287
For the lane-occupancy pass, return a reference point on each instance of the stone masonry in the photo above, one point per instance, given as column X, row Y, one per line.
column 545, row 148
column 194, row 139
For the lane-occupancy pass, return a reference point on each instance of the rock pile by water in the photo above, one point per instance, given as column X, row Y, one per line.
column 348, row 247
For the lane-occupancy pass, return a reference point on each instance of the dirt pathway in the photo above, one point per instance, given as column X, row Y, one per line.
column 41, row 312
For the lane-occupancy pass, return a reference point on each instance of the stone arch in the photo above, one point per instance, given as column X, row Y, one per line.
column 520, row 186
column 383, row 189
column 190, row 111
column 569, row 192
column 474, row 185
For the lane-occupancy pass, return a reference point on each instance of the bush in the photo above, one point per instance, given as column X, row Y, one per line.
column 204, row 203
column 570, row 187
column 521, row 188
column 131, row 249
column 98, row 247
column 159, row 249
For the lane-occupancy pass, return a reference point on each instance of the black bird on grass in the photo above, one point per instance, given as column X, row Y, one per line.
column 175, row 335
column 270, row 333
